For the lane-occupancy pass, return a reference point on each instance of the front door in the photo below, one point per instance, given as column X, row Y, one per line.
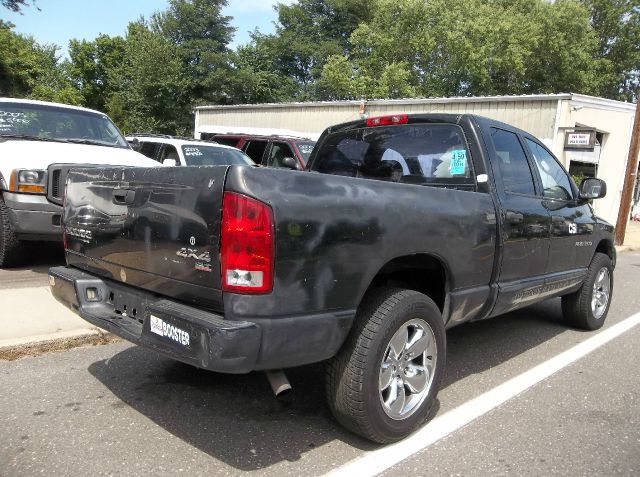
column 572, row 222
column 525, row 224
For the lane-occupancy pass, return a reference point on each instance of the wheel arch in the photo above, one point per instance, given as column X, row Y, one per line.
column 422, row 272
column 606, row 246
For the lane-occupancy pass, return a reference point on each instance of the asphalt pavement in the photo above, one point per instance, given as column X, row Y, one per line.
column 122, row 410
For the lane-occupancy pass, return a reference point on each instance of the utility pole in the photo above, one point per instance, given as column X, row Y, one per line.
column 629, row 177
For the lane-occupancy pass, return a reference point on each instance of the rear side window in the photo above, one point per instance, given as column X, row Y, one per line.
column 512, row 162
column 427, row 154
column 255, row 150
column 149, row 149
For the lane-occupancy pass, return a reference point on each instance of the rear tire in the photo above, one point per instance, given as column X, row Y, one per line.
column 383, row 383
column 587, row 308
column 10, row 246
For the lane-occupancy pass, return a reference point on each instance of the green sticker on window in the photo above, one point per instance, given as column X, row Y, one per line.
column 458, row 162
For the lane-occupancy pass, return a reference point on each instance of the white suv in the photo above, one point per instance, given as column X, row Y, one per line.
column 174, row 151
column 39, row 143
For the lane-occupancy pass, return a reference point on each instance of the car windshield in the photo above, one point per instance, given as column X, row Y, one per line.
column 305, row 148
column 44, row 122
column 201, row 155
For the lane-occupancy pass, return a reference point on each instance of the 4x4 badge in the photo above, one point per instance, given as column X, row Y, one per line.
column 193, row 253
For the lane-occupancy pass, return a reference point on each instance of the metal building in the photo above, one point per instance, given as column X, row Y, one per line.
column 590, row 135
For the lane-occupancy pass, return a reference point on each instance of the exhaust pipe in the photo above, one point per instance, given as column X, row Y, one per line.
column 279, row 382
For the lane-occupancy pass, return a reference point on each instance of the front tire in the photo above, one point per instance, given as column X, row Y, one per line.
column 10, row 246
column 587, row 308
column 383, row 382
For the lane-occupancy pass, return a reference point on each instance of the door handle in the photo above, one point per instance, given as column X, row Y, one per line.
column 124, row 196
column 514, row 217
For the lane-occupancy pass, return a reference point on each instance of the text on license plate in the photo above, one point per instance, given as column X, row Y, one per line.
column 162, row 328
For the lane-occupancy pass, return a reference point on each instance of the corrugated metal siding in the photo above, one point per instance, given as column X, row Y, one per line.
column 536, row 117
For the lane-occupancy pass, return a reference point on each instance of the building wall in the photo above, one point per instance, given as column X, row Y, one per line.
column 533, row 115
column 615, row 121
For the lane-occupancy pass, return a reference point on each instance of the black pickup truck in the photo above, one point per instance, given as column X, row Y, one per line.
column 403, row 226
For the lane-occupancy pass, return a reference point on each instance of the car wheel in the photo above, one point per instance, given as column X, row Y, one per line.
column 588, row 307
column 384, row 381
column 9, row 244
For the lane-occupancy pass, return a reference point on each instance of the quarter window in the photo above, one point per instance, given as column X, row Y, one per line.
column 555, row 182
column 512, row 162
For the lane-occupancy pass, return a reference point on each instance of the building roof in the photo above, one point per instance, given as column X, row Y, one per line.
column 586, row 100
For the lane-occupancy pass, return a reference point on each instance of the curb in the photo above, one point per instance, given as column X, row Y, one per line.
column 627, row 248
column 37, row 345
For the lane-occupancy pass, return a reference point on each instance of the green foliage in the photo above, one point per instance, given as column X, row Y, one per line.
column 200, row 35
column 150, row 87
column 468, row 47
column 617, row 26
column 15, row 5
column 28, row 69
column 90, row 65
column 150, row 79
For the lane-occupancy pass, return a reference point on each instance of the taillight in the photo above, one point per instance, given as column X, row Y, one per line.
column 246, row 244
column 387, row 120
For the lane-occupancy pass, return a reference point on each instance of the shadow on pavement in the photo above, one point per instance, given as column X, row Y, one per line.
column 236, row 419
column 39, row 256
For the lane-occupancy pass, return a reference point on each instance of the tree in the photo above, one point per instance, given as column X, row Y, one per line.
column 30, row 70
column 307, row 33
column 89, row 67
column 467, row 47
column 16, row 5
column 150, row 88
column 200, row 34
column 617, row 25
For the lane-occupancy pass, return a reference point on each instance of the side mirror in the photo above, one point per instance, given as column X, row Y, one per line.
column 592, row 188
column 169, row 163
column 290, row 163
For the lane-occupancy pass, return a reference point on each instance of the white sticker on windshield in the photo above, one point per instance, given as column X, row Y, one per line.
column 9, row 119
column 458, row 162
column 192, row 151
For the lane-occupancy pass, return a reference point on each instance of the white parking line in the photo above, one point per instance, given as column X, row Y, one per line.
column 375, row 462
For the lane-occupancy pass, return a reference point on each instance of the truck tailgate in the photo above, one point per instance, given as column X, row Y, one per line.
column 155, row 228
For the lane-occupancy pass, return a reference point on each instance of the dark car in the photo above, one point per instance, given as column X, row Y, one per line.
column 270, row 151
column 405, row 226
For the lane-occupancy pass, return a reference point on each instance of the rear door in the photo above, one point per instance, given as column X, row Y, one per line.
column 524, row 219
column 157, row 229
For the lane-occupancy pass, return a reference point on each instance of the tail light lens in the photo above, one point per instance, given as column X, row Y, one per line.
column 246, row 245
column 387, row 120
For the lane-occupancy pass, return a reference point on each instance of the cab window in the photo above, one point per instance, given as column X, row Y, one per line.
column 512, row 163
column 555, row 181
column 423, row 154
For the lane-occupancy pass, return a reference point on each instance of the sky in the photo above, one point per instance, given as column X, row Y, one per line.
column 58, row 21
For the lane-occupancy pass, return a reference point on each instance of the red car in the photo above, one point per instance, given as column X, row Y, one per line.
column 271, row 151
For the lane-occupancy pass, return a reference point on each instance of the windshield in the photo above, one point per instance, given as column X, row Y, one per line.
column 214, row 156
column 58, row 124
column 305, row 148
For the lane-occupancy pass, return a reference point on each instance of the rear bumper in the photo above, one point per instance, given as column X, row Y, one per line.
column 33, row 217
column 194, row 336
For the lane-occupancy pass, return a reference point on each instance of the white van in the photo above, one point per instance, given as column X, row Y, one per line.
column 39, row 143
